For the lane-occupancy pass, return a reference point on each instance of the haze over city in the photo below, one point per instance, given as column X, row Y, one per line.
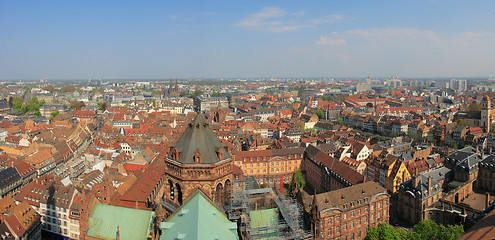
column 225, row 39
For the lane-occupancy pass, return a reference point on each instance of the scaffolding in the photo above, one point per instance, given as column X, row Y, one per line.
column 248, row 198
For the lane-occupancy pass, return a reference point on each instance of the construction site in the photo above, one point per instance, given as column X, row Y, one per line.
column 264, row 213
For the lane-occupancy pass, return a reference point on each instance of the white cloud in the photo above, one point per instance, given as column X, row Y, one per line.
column 409, row 51
column 326, row 41
column 276, row 19
column 300, row 13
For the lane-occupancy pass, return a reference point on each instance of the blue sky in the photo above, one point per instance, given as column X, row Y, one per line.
column 230, row 39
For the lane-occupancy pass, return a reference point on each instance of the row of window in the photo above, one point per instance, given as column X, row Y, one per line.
column 273, row 170
column 344, row 216
column 272, row 164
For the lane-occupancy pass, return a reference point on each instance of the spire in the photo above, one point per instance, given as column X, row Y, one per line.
column 118, row 234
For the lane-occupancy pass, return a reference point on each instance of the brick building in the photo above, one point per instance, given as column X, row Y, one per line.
column 198, row 160
column 324, row 173
column 269, row 166
column 347, row 213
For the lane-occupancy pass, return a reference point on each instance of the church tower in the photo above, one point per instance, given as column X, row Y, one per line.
column 485, row 114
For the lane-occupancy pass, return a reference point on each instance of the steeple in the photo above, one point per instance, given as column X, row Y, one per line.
column 198, row 142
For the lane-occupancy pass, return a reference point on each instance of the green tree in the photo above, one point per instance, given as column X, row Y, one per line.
column 37, row 113
column 319, row 113
column 340, row 121
column 382, row 231
column 54, row 114
column 394, row 134
column 297, row 183
column 17, row 104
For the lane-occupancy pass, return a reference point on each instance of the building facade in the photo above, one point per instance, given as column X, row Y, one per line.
column 349, row 212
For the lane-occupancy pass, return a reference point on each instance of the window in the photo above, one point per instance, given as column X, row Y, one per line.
column 372, row 217
column 366, row 219
column 379, row 214
column 345, row 226
column 345, row 215
column 352, row 213
column 372, row 207
column 359, row 222
column 272, row 169
column 272, row 164
column 338, row 230
column 379, row 205
column 290, row 168
column 352, row 224
column 245, row 171
column 258, row 171
column 337, row 219
column 264, row 164
column 257, row 164
column 359, row 211
column 365, row 209
column 385, row 212
column 251, row 165
column 329, row 232
column 329, row 221
column 264, row 170
column 251, row 171
column 385, row 202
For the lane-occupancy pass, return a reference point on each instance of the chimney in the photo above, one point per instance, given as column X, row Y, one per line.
column 416, row 180
column 429, row 185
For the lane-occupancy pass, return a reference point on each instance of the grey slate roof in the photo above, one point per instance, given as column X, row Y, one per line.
column 199, row 137
column 8, row 176
column 465, row 159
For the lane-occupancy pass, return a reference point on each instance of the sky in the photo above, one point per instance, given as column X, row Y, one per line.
column 245, row 39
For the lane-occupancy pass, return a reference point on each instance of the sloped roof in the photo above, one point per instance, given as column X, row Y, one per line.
column 198, row 137
column 198, row 218
column 131, row 223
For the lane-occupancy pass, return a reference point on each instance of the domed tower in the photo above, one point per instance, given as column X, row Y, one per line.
column 485, row 114
column 198, row 160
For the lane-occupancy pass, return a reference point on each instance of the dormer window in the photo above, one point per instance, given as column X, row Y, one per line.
column 220, row 153
column 197, row 157
column 175, row 154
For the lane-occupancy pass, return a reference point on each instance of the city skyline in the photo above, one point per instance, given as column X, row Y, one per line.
column 222, row 39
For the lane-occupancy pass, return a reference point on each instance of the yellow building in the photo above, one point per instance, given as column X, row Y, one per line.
column 269, row 166
column 397, row 175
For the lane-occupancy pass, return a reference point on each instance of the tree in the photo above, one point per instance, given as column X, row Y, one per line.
column 49, row 88
column 426, row 229
column 54, row 114
column 77, row 105
column 68, row 88
column 340, row 121
column 37, row 113
column 382, row 231
column 17, row 104
column 319, row 113
column 297, row 183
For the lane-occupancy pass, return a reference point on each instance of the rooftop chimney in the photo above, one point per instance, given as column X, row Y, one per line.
column 416, row 180
column 429, row 185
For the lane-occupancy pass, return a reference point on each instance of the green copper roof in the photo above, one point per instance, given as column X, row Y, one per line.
column 199, row 218
column 263, row 223
column 198, row 137
column 133, row 224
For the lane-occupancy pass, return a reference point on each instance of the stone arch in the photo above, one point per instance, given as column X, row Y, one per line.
column 178, row 191
column 219, row 194
column 228, row 189
column 171, row 190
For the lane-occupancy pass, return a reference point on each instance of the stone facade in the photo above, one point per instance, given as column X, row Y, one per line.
column 198, row 160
